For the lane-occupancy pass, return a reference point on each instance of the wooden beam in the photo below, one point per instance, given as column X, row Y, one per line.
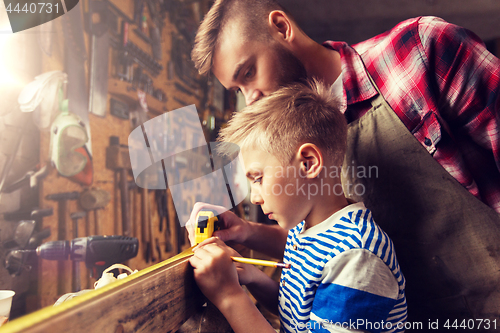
column 157, row 299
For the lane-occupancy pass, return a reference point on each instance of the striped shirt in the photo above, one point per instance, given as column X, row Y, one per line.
column 444, row 85
column 344, row 276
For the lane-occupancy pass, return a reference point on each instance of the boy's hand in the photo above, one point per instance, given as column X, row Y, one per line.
column 246, row 272
column 233, row 228
column 214, row 271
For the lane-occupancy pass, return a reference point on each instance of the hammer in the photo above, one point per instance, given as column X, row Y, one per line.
column 93, row 200
column 117, row 159
column 76, row 280
column 62, row 206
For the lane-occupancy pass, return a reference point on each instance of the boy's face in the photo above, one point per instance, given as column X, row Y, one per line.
column 276, row 188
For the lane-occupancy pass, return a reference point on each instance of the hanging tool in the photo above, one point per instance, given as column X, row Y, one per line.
column 162, row 205
column 132, row 187
column 37, row 238
column 38, row 97
column 118, row 11
column 138, row 11
column 87, row 226
column 77, row 94
column 158, row 248
column 146, row 235
column 76, row 283
column 181, row 101
column 62, row 206
column 124, row 64
column 143, row 81
column 68, row 137
column 10, row 161
column 151, row 228
column 179, row 234
column 137, row 118
column 34, row 214
column 24, row 238
column 99, row 57
column 155, row 29
column 98, row 252
column 117, row 159
column 22, row 235
column 31, row 178
column 144, row 228
column 182, row 63
column 93, row 200
column 185, row 90
column 133, row 53
column 143, row 59
column 118, row 109
column 39, row 213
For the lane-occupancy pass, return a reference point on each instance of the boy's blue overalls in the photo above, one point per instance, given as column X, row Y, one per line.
column 446, row 240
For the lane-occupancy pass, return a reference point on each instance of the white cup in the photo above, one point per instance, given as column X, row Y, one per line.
column 6, row 302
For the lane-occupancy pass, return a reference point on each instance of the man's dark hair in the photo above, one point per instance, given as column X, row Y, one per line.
column 252, row 14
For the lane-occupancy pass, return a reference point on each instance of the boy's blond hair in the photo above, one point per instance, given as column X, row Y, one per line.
column 251, row 14
column 291, row 116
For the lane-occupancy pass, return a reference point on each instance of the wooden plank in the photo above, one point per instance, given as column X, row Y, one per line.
column 157, row 299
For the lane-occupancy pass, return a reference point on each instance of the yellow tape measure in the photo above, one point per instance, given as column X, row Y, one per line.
column 206, row 223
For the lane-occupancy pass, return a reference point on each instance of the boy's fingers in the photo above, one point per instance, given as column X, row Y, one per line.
column 213, row 250
column 195, row 261
column 216, row 241
column 205, row 252
column 207, row 241
column 213, row 247
column 199, row 246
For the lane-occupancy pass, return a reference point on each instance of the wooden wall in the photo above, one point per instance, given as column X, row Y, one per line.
column 101, row 129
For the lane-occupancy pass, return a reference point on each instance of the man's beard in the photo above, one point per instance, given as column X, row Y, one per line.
column 290, row 68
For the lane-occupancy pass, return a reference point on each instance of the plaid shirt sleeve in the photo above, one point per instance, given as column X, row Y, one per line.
column 467, row 80
column 445, row 87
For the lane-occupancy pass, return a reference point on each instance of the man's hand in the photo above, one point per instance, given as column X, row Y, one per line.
column 267, row 239
column 233, row 228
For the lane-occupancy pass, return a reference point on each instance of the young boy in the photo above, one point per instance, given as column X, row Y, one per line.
column 344, row 275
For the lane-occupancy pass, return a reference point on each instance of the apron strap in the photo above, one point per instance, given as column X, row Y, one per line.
column 446, row 240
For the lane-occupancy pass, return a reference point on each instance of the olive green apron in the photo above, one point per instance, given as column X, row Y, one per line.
column 447, row 241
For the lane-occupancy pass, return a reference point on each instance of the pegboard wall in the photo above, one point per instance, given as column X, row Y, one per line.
column 140, row 59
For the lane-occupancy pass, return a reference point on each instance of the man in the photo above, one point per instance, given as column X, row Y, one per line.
column 423, row 105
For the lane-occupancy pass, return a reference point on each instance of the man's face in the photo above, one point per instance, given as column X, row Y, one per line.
column 256, row 68
column 276, row 188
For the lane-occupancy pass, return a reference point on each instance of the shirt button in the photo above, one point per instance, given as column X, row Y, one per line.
column 295, row 247
column 427, row 142
column 283, row 283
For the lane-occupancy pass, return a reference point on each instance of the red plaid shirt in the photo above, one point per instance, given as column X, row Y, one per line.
column 444, row 86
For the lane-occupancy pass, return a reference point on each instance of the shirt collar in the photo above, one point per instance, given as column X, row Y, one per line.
column 357, row 85
column 329, row 223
